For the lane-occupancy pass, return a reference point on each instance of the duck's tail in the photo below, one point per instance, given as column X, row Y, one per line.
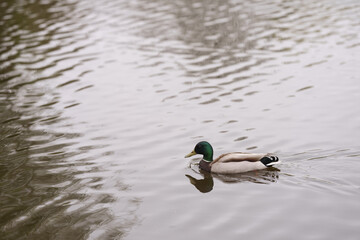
column 270, row 160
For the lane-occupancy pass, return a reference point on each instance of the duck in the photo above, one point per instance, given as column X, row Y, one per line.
column 232, row 163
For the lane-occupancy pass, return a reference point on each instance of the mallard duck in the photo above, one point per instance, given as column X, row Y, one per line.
column 231, row 163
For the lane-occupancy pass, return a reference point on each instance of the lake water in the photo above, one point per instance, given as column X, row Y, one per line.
column 101, row 100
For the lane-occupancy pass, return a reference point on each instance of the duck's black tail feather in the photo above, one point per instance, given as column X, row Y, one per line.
column 270, row 160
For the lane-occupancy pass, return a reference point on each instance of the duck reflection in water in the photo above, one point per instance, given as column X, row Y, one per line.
column 206, row 183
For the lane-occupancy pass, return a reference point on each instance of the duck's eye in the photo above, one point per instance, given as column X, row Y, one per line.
column 198, row 149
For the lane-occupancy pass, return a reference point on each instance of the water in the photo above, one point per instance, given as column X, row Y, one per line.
column 100, row 101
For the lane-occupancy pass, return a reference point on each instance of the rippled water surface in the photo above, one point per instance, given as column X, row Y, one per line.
column 101, row 100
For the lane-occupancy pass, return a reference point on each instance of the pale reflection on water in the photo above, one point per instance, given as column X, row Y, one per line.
column 100, row 101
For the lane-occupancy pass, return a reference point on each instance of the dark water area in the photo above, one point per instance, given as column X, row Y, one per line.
column 101, row 100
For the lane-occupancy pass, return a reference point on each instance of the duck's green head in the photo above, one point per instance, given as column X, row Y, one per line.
column 203, row 148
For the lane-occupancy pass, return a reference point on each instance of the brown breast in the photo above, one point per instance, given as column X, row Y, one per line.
column 205, row 166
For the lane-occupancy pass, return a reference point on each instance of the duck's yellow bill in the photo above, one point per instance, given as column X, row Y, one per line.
column 191, row 154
